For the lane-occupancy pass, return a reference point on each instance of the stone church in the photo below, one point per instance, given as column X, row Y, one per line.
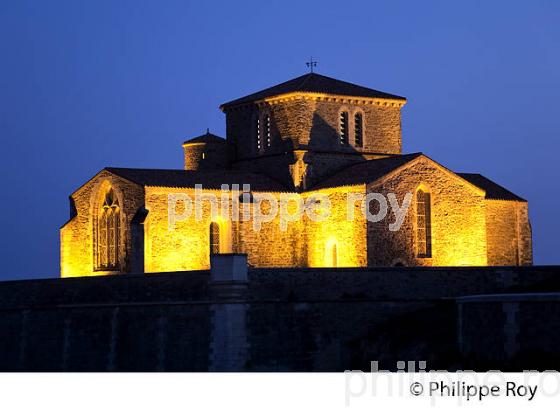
column 307, row 136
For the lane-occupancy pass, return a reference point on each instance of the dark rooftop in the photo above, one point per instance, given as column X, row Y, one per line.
column 493, row 190
column 314, row 83
column 179, row 178
column 208, row 137
column 367, row 171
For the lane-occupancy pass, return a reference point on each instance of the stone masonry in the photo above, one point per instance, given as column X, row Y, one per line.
column 298, row 139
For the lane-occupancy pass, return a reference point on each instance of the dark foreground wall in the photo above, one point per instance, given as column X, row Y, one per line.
column 274, row 319
column 519, row 329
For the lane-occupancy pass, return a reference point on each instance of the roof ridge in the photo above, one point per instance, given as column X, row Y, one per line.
column 209, row 179
column 307, row 77
column 400, row 159
column 200, row 171
column 314, row 83
column 145, row 169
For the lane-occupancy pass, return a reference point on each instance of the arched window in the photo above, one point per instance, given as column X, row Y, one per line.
column 108, row 231
column 423, row 224
column 358, row 129
column 343, row 128
column 266, row 129
column 214, row 238
column 257, row 133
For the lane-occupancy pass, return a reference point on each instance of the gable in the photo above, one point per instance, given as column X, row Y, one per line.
column 104, row 173
column 439, row 167
column 379, row 170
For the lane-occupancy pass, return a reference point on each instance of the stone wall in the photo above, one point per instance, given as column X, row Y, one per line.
column 276, row 167
column 466, row 229
column 337, row 241
column 458, row 222
column 270, row 245
column 381, row 127
column 186, row 246
column 286, row 319
column 525, row 233
column 155, row 246
column 508, row 233
column 301, row 242
column 312, row 124
column 206, row 156
column 306, row 122
column 125, row 323
column 78, row 235
column 418, row 283
column 519, row 329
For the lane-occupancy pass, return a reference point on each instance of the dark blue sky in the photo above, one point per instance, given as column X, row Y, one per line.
column 89, row 84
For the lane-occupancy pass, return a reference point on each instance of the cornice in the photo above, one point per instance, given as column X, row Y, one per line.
column 312, row 96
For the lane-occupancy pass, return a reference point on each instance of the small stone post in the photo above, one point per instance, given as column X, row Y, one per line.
column 228, row 288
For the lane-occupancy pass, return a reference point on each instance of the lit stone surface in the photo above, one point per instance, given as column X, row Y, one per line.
column 458, row 220
column 508, row 233
column 467, row 227
column 78, row 252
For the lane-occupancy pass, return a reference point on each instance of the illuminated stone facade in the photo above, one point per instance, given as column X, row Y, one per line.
column 311, row 135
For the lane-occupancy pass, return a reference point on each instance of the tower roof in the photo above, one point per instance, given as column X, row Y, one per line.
column 206, row 138
column 314, row 83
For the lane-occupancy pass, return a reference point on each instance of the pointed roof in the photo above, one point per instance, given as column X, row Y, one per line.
column 314, row 83
column 206, row 138
column 493, row 190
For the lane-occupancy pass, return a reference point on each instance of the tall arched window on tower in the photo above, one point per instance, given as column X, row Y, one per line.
column 423, row 224
column 343, row 128
column 214, row 238
column 358, row 129
column 266, row 129
column 108, row 231
column 257, row 133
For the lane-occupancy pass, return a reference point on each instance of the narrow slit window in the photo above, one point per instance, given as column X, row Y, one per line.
column 266, row 126
column 258, row 133
column 358, row 130
column 343, row 128
column 423, row 224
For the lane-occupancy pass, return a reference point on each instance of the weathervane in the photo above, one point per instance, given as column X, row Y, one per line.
column 311, row 64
